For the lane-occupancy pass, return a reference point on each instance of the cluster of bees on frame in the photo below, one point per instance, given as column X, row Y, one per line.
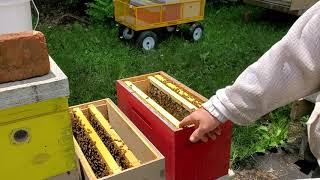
column 118, row 154
column 165, row 101
column 89, row 149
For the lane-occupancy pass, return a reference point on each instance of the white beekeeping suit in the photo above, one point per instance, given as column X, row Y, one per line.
column 288, row 71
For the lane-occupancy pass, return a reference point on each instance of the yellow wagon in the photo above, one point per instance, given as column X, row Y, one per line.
column 143, row 18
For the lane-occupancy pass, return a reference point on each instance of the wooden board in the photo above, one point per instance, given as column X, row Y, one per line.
column 302, row 4
column 152, row 162
column 294, row 8
column 70, row 175
column 33, row 90
column 143, row 78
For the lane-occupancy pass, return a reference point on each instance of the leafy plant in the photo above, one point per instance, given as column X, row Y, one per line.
column 100, row 10
column 274, row 133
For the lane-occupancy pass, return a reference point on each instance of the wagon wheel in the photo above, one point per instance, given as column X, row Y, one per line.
column 196, row 32
column 171, row 28
column 126, row 33
column 147, row 40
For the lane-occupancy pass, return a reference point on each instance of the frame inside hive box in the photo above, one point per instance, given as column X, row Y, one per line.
column 112, row 147
column 156, row 103
column 165, row 96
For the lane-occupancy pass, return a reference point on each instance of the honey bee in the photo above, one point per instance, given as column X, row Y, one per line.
column 165, row 101
column 89, row 149
column 118, row 154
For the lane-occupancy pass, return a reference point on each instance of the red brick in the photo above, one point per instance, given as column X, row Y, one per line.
column 22, row 56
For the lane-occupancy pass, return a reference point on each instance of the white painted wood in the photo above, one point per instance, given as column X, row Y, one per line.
column 53, row 85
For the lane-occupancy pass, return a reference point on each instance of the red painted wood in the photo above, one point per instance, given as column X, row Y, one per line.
column 184, row 160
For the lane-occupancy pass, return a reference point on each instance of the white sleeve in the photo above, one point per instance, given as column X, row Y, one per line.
column 288, row 71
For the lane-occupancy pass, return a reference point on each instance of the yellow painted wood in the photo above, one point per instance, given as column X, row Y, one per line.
column 47, row 149
column 191, row 9
column 118, row 142
column 14, row 114
column 112, row 165
column 126, row 14
column 155, row 105
column 178, row 90
column 176, row 97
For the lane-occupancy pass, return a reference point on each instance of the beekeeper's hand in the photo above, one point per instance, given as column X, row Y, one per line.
column 207, row 126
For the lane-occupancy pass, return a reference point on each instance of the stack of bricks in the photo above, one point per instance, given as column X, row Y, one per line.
column 35, row 128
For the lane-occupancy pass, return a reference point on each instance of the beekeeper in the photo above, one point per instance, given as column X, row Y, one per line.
column 288, row 71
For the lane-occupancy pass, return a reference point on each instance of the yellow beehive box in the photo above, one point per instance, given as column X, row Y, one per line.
column 35, row 130
column 143, row 160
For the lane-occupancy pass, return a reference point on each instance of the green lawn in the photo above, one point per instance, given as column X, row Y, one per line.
column 93, row 58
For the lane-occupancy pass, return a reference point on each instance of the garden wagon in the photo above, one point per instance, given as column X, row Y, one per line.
column 141, row 19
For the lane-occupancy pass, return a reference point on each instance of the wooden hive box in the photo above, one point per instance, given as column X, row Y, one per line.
column 151, row 162
column 295, row 7
column 35, row 132
column 184, row 160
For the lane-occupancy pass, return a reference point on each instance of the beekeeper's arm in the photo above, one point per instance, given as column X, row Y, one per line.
column 288, row 71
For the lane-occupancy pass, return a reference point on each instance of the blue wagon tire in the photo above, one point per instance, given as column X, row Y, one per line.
column 147, row 40
column 196, row 32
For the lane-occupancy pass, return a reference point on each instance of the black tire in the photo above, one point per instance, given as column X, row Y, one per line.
column 125, row 33
column 147, row 40
column 196, row 32
column 171, row 29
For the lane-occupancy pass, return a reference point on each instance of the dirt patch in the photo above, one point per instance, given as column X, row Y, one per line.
column 277, row 163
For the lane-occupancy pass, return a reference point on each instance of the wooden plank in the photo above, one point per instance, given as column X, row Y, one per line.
column 85, row 166
column 15, row 114
column 301, row 108
column 117, row 141
column 33, row 90
column 302, row 4
column 112, row 165
column 131, row 135
column 153, row 170
column 70, row 175
column 144, row 85
column 180, row 91
column 144, row 77
column 180, row 85
column 176, row 97
column 152, row 103
column 294, row 7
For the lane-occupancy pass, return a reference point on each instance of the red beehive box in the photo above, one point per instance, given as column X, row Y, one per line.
column 184, row 160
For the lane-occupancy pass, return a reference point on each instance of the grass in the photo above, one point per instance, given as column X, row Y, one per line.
column 94, row 58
